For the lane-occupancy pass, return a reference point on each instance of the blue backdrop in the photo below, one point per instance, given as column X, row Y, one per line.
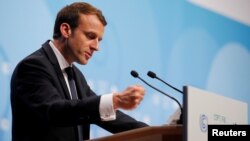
column 182, row 42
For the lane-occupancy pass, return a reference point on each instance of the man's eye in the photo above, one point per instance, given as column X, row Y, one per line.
column 91, row 36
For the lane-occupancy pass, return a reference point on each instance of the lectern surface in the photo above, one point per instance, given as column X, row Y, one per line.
column 152, row 133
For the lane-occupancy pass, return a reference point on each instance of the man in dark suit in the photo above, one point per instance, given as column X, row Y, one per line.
column 51, row 104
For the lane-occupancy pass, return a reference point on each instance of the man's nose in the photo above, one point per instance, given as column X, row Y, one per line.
column 95, row 45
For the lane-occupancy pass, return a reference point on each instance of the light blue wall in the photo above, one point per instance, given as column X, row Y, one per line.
column 183, row 43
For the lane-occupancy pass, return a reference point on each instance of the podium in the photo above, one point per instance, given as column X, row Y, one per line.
column 203, row 108
column 151, row 133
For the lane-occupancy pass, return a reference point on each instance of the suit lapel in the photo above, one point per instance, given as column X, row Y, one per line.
column 52, row 57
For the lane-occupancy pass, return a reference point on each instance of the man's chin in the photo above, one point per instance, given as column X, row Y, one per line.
column 82, row 62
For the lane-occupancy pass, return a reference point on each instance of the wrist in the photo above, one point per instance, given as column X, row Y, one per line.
column 116, row 101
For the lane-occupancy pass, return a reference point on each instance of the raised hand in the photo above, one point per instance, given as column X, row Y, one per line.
column 130, row 98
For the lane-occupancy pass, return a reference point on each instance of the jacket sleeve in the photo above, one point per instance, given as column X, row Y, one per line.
column 37, row 92
column 122, row 123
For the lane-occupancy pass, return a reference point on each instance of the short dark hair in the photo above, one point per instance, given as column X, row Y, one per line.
column 70, row 14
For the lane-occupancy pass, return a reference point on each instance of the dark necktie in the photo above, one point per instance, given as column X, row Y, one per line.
column 69, row 71
column 71, row 80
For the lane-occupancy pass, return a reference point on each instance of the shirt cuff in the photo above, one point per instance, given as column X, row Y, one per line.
column 106, row 108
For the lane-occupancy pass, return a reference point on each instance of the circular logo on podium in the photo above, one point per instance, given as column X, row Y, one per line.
column 203, row 123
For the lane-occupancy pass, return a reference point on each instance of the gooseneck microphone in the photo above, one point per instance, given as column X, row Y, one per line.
column 136, row 75
column 153, row 75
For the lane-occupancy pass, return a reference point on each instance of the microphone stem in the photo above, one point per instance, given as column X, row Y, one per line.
column 169, row 85
column 163, row 93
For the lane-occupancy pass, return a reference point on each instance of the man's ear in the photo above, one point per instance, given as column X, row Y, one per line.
column 65, row 30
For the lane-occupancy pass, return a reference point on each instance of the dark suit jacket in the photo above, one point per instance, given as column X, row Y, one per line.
column 41, row 106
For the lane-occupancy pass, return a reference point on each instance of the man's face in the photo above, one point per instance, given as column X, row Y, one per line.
column 84, row 39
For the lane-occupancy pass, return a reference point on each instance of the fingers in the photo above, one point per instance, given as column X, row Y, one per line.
column 136, row 94
column 137, row 88
column 130, row 98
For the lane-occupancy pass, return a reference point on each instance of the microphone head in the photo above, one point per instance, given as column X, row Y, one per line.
column 134, row 73
column 151, row 74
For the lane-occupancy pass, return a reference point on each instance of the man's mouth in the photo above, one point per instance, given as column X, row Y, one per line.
column 88, row 55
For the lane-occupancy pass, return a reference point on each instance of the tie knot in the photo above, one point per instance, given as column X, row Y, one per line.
column 69, row 71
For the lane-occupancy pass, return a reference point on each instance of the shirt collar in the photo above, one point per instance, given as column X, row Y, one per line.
column 62, row 61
